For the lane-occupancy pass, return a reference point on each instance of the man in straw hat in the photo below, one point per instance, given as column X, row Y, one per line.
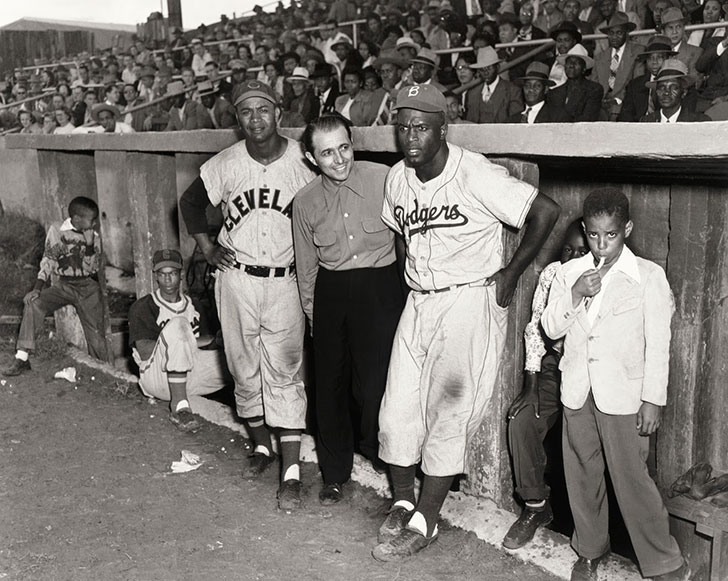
column 424, row 66
column 578, row 99
column 617, row 66
column 534, row 84
column 670, row 86
column 185, row 114
column 495, row 100
column 106, row 116
column 638, row 99
column 304, row 99
column 450, row 337
column 221, row 112
column 256, row 292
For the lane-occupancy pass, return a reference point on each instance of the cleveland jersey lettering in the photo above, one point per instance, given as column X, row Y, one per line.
column 262, row 198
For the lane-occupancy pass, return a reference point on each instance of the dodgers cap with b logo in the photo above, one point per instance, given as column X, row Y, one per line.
column 421, row 98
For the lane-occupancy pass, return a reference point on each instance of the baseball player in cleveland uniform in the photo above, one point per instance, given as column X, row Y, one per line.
column 450, row 205
column 262, row 322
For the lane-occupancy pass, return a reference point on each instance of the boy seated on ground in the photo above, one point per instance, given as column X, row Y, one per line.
column 73, row 252
column 613, row 310
column 164, row 333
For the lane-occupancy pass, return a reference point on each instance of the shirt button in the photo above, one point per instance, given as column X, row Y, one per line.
column 355, row 257
column 264, row 233
column 264, row 252
column 346, row 214
column 265, row 170
column 351, row 237
column 592, row 360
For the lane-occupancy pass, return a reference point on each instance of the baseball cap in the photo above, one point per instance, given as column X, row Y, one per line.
column 253, row 88
column 421, row 98
column 166, row 257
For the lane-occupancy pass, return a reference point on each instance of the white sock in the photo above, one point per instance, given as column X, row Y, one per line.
column 535, row 504
column 182, row 404
column 406, row 504
column 418, row 523
column 293, row 472
column 261, row 449
column 22, row 355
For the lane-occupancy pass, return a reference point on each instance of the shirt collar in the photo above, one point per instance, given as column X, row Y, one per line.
column 494, row 84
column 535, row 109
column 353, row 183
column 627, row 264
column 672, row 118
column 67, row 225
column 676, row 48
column 619, row 51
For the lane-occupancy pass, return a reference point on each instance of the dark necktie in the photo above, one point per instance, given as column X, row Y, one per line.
column 524, row 115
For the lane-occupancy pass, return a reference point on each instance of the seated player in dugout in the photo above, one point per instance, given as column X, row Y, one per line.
column 73, row 253
column 538, row 407
column 175, row 361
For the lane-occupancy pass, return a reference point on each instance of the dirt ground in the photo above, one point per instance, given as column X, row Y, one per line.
column 87, row 493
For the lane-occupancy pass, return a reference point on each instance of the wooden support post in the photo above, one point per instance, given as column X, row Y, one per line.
column 153, row 195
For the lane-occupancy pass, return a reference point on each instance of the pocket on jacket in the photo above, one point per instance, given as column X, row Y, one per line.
column 376, row 233
column 325, row 242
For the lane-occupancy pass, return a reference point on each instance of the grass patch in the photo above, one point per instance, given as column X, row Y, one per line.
column 21, row 248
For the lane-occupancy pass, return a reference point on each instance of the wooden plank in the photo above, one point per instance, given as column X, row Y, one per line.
column 719, row 558
column 115, row 208
column 153, row 194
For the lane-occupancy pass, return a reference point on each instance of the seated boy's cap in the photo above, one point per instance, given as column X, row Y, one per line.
column 421, row 98
column 255, row 88
column 166, row 257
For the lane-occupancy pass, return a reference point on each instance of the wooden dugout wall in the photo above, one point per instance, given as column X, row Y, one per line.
column 676, row 177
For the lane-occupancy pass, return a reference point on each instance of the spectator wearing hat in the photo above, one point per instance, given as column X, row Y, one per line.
column 237, row 71
column 608, row 10
column 572, row 10
column 535, row 83
column 549, row 16
column 390, row 66
column 495, row 100
column 200, row 57
column 424, row 66
column 147, row 91
column 304, row 101
column 326, row 87
column 357, row 104
column 221, row 112
column 713, row 63
column 673, row 26
column 616, row 67
column 446, row 70
column 670, row 86
column 639, row 100
column 509, row 32
column 578, row 99
column 567, row 36
column 185, row 113
column 346, row 56
column 166, row 333
column 106, row 118
column 329, row 33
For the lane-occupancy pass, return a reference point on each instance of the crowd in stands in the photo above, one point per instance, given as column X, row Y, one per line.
column 191, row 82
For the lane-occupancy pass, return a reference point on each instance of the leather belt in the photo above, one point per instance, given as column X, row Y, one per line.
column 452, row 287
column 266, row 271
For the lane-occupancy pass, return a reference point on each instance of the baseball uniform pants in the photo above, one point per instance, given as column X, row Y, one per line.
column 591, row 439
column 176, row 351
column 444, row 364
column 355, row 318
column 85, row 296
column 526, row 433
column 263, row 325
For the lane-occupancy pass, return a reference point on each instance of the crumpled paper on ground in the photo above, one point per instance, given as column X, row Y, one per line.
column 67, row 373
column 188, row 463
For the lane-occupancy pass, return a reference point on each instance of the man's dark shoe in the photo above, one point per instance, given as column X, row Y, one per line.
column 586, row 569
column 185, row 420
column 405, row 544
column 289, row 494
column 522, row 531
column 257, row 464
column 682, row 573
column 397, row 519
column 17, row 367
column 330, row 494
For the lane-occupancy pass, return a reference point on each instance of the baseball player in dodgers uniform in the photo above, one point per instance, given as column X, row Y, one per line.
column 257, row 296
column 450, row 205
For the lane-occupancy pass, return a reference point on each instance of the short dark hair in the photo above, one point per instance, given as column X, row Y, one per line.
column 327, row 122
column 81, row 204
column 609, row 202
column 353, row 71
column 290, row 55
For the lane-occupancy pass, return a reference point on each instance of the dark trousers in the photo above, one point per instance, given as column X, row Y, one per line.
column 85, row 295
column 526, row 433
column 355, row 316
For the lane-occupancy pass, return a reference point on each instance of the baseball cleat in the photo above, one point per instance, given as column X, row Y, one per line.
column 184, row 420
column 17, row 367
column 397, row 519
column 289, row 494
column 257, row 464
column 407, row 543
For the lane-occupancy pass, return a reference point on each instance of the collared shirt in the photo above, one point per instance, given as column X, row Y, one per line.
column 672, row 118
column 256, row 201
column 491, row 87
column 66, row 253
column 339, row 227
column 619, row 52
column 535, row 110
column 453, row 223
column 626, row 263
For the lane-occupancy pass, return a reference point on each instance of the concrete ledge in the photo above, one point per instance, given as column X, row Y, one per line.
column 562, row 140
column 550, row 551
